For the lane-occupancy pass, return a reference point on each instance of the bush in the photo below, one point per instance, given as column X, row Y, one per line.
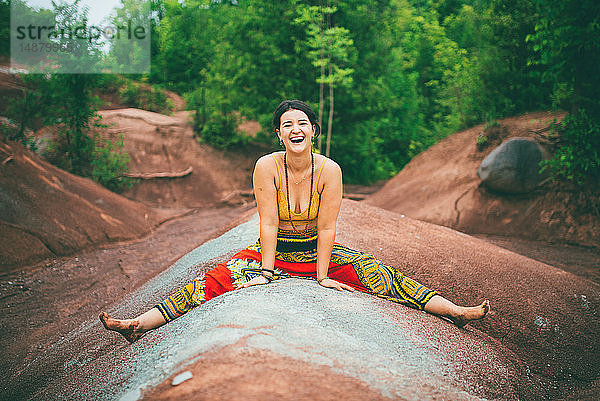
column 577, row 158
column 221, row 132
column 146, row 97
column 8, row 130
column 109, row 163
column 90, row 156
column 482, row 141
column 111, row 83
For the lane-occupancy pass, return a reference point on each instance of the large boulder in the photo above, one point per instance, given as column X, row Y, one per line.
column 513, row 167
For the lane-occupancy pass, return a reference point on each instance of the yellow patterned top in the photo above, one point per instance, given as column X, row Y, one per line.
column 303, row 215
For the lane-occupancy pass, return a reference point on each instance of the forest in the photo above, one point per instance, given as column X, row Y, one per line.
column 389, row 77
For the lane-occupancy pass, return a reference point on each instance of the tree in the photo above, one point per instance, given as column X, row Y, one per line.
column 332, row 49
column 67, row 102
column 313, row 18
column 567, row 42
column 5, row 28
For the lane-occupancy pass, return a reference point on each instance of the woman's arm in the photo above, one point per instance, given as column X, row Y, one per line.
column 331, row 200
column 265, row 194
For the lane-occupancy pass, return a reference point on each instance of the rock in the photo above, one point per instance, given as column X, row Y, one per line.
column 301, row 328
column 367, row 342
column 180, row 378
column 513, row 167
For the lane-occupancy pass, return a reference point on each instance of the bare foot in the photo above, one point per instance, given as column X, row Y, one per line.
column 466, row 314
column 127, row 328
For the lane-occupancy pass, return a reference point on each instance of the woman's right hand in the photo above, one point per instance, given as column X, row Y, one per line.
column 255, row 281
column 335, row 284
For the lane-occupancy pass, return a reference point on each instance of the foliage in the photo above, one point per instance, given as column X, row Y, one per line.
column 419, row 69
column 331, row 50
column 220, row 131
column 67, row 102
column 481, row 141
column 22, row 112
column 10, row 131
column 132, row 55
column 567, row 45
column 109, row 164
column 145, row 97
column 4, row 28
column 578, row 156
column 493, row 123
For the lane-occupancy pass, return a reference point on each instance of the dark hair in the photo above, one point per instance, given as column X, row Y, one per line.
column 295, row 105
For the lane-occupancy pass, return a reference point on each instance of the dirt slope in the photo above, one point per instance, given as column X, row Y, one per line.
column 158, row 143
column 441, row 186
column 45, row 211
column 41, row 305
column 556, row 336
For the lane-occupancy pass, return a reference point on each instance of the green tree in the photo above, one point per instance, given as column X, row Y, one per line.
column 313, row 18
column 67, row 102
column 4, row 28
column 126, row 54
column 331, row 49
column 567, row 42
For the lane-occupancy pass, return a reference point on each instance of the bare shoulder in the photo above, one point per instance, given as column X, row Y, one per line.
column 331, row 170
column 266, row 162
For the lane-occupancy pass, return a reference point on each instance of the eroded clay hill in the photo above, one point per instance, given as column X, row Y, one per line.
column 441, row 186
column 161, row 145
column 530, row 347
column 45, row 211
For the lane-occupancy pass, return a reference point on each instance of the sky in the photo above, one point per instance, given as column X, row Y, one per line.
column 98, row 10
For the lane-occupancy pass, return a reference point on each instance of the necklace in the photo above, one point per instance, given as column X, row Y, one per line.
column 287, row 190
column 303, row 178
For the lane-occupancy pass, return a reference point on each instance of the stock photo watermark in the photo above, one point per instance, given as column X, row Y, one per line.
column 63, row 39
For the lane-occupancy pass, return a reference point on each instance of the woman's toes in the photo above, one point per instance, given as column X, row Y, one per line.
column 486, row 307
column 104, row 317
column 127, row 328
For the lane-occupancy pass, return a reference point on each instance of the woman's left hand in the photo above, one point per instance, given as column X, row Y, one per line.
column 258, row 280
column 335, row 284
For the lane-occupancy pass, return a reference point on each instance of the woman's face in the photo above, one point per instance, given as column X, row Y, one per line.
column 295, row 130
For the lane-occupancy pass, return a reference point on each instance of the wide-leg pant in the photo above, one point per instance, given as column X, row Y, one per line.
column 364, row 272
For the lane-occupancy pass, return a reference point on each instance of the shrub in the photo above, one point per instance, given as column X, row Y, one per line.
column 109, row 163
column 491, row 123
column 221, row 132
column 577, row 158
column 146, row 97
column 482, row 141
column 8, row 130
column 90, row 156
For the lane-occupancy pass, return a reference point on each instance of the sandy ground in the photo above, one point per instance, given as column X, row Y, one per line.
column 44, row 302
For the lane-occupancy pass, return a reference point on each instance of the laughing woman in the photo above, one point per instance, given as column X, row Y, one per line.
column 298, row 194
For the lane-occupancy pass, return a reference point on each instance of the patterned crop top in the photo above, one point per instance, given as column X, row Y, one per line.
column 303, row 215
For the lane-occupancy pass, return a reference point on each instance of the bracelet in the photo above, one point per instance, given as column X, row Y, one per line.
column 269, row 279
column 269, row 276
column 321, row 279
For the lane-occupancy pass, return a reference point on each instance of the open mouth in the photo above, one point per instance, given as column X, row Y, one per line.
column 297, row 139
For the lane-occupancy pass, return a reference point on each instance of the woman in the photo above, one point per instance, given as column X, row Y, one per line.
column 298, row 195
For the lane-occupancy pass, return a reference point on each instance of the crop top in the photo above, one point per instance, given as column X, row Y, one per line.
column 303, row 215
